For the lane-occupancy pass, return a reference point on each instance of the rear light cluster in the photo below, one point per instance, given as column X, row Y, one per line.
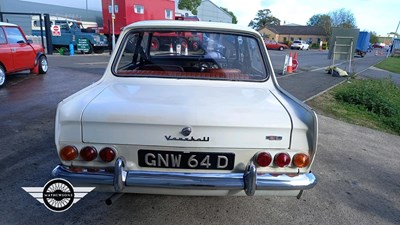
column 88, row 153
column 283, row 159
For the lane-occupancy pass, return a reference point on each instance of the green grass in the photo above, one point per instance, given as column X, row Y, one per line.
column 391, row 64
column 369, row 103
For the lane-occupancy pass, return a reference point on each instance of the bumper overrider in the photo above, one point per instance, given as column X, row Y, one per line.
column 249, row 181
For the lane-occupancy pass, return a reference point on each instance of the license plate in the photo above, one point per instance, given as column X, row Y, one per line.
column 186, row 160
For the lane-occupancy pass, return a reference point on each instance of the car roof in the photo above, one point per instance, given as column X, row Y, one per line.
column 220, row 27
column 8, row 24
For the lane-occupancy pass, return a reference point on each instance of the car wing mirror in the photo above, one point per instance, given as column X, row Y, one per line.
column 21, row 42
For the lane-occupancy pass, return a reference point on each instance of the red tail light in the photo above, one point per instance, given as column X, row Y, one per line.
column 107, row 154
column 282, row 159
column 69, row 153
column 263, row 159
column 301, row 160
column 88, row 153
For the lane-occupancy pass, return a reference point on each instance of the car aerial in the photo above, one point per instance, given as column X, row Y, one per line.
column 275, row 45
column 208, row 119
column 18, row 54
column 300, row 45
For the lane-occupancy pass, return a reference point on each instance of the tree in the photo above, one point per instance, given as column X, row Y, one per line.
column 338, row 18
column 321, row 20
column 264, row 18
column 373, row 37
column 342, row 18
column 190, row 5
column 234, row 18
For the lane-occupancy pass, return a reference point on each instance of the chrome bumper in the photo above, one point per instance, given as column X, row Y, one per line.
column 249, row 181
column 100, row 44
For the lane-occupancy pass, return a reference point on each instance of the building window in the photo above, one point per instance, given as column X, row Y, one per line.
column 309, row 40
column 168, row 14
column 292, row 38
column 284, row 39
column 139, row 9
column 115, row 8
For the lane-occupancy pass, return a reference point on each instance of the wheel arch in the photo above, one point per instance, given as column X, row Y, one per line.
column 4, row 66
column 38, row 55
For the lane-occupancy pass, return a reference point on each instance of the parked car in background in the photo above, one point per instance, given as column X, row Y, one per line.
column 275, row 45
column 18, row 54
column 187, row 121
column 378, row 45
column 300, row 45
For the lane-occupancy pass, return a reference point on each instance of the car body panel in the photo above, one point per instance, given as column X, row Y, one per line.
column 137, row 110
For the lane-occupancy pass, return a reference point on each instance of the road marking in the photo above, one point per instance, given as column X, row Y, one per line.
column 93, row 63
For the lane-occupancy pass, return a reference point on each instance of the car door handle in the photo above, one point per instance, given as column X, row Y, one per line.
column 13, row 49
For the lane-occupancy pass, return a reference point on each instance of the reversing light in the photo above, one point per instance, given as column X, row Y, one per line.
column 107, row 154
column 263, row 159
column 301, row 160
column 69, row 153
column 88, row 153
column 282, row 159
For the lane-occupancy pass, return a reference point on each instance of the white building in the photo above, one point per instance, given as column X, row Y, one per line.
column 207, row 11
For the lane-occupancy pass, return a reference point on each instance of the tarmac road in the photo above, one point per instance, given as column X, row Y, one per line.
column 358, row 170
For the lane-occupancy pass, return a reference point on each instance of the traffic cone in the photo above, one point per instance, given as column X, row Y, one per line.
column 186, row 50
column 294, row 60
column 290, row 64
column 171, row 48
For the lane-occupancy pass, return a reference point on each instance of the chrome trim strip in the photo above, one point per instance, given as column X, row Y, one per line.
column 249, row 181
column 83, row 177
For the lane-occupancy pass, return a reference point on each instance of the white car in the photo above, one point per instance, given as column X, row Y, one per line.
column 203, row 116
column 300, row 45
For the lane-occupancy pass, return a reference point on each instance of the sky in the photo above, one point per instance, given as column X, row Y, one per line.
column 380, row 16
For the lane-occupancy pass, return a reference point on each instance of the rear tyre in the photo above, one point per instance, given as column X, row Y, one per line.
column 90, row 48
column 281, row 48
column 43, row 65
column 2, row 76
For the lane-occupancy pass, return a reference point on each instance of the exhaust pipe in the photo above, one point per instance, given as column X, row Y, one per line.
column 114, row 197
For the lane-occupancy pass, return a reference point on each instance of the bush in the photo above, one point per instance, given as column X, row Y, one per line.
column 393, row 123
column 378, row 97
column 315, row 45
column 381, row 97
